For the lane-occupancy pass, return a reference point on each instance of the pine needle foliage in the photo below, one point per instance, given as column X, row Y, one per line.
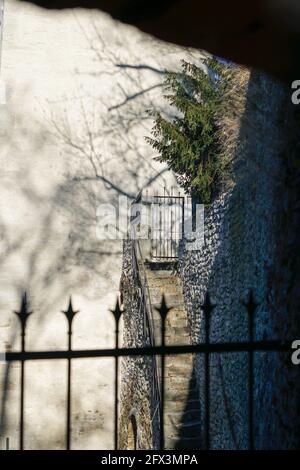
column 190, row 142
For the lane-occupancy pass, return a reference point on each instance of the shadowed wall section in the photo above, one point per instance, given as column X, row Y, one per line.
column 250, row 243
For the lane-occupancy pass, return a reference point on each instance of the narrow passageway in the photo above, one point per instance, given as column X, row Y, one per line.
column 182, row 407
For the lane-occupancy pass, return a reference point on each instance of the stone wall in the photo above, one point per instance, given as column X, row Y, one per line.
column 137, row 373
column 249, row 244
column 139, row 397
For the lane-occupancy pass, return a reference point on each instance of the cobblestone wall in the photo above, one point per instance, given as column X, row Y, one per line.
column 249, row 244
column 137, row 373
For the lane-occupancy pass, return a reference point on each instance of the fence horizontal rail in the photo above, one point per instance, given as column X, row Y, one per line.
column 250, row 346
column 257, row 346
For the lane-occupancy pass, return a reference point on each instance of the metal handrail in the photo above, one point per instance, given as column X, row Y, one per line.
column 148, row 309
column 146, row 299
column 146, row 293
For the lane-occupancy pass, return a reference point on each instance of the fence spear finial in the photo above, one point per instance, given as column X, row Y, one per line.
column 24, row 311
column 70, row 312
column 117, row 311
column 207, row 306
column 163, row 310
column 251, row 305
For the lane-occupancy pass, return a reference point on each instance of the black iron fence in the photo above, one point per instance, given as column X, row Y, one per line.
column 164, row 217
column 251, row 346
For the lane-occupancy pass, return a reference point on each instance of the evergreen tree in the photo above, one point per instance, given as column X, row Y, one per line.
column 189, row 144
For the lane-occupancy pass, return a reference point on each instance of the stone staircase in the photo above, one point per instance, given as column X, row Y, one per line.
column 182, row 408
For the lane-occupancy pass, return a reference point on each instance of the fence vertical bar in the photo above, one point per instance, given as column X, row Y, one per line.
column 22, row 395
column 164, row 254
column 171, row 224
column 207, row 308
column 171, row 232
column 70, row 314
column 117, row 315
column 251, row 306
column 163, row 311
column 160, row 226
column 183, row 218
column 149, row 235
column 23, row 315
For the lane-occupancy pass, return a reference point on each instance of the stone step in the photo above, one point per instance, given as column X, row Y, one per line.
column 171, row 373
column 177, row 340
column 176, row 322
column 177, row 327
column 158, row 283
column 163, row 285
column 171, row 302
column 169, row 290
column 179, row 379
column 160, row 274
column 171, row 340
column 175, row 315
column 183, row 443
column 192, row 431
column 184, row 428
column 175, row 395
column 178, row 312
column 180, row 414
column 182, row 406
column 175, row 370
column 190, row 402
column 181, row 360
column 177, row 331
column 192, row 416
column 157, row 275
column 190, row 396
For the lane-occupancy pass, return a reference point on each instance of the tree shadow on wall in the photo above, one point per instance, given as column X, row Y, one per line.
column 56, row 252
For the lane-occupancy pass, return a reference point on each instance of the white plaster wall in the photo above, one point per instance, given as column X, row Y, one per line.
column 56, row 126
